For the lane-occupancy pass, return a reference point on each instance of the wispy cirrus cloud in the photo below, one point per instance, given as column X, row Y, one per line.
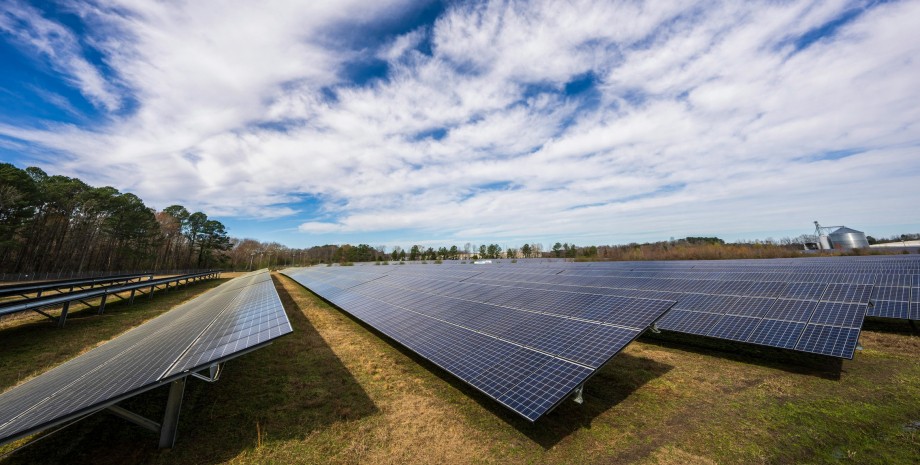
column 513, row 121
column 60, row 48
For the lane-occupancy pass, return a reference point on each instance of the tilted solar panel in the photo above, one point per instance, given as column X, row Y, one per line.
column 223, row 323
column 526, row 348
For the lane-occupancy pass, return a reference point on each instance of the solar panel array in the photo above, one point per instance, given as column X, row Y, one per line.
column 526, row 348
column 809, row 317
column 233, row 318
column 813, row 305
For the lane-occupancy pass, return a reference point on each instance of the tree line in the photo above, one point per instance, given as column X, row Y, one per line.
column 54, row 224
column 251, row 254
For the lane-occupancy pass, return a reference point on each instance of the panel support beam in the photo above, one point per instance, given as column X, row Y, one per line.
column 214, row 372
column 138, row 420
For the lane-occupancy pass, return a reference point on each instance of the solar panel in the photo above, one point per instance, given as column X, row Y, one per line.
column 526, row 348
column 777, row 333
column 828, row 340
column 233, row 318
column 901, row 294
column 733, row 327
column 890, row 309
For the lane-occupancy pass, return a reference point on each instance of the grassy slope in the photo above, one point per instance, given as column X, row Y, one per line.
column 334, row 392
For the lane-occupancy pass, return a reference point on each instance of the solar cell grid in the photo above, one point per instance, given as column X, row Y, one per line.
column 855, row 293
column 750, row 306
column 733, row 327
column 828, row 340
column 899, row 280
column 791, row 310
column 766, row 289
column 891, row 293
column 803, row 291
column 839, row 314
column 777, row 333
column 889, row 309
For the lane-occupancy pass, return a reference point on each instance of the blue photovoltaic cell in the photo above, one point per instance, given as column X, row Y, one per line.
column 891, row 293
column 599, row 344
column 750, row 306
column 734, row 328
column 804, row 291
column 890, row 309
column 837, row 314
column 538, row 393
column 688, row 321
column 767, row 289
column 829, row 340
column 915, row 310
column 855, row 293
column 791, row 310
column 777, row 333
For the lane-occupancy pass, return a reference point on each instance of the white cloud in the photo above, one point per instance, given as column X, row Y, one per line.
column 705, row 118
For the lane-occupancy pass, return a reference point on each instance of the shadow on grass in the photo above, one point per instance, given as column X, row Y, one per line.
column 820, row 366
column 610, row 385
column 283, row 391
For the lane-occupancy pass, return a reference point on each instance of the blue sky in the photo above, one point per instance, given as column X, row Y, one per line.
column 399, row 123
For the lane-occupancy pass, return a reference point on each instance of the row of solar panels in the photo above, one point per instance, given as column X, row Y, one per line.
column 796, row 321
column 851, row 263
column 40, row 287
column 83, row 295
column 225, row 322
column 895, row 294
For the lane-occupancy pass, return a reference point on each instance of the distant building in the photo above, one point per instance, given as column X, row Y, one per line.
column 848, row 239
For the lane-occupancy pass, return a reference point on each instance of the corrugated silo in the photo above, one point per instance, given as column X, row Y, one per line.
column 846, row 239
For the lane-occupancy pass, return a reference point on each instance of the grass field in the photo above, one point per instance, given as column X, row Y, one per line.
column 336, row 392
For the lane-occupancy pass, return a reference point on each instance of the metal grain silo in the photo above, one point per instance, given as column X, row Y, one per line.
column 846, row 239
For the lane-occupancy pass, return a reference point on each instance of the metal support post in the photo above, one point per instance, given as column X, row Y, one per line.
column 170, row 423
column 63, row 317
column 102, row 304
column 132, row 296
column 578, row 394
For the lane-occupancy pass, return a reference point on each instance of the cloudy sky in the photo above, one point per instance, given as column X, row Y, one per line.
column 391, row 122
